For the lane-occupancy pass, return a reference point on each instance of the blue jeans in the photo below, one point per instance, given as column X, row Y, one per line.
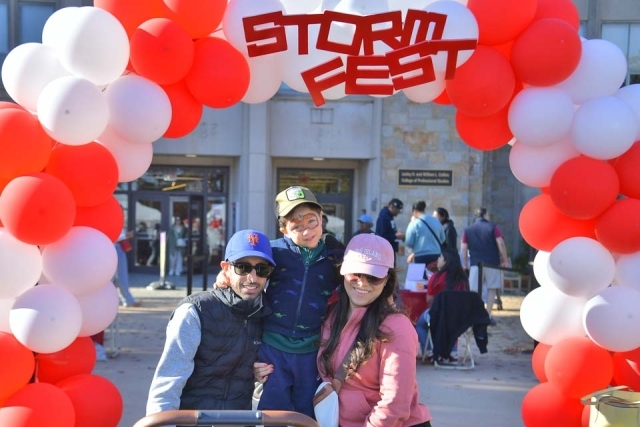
column 422, row 328
column 122, row 277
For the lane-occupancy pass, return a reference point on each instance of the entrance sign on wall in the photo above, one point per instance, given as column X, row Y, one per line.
column 425, row 177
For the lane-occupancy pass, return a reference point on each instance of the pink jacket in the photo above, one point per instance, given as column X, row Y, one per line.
column 384, row 391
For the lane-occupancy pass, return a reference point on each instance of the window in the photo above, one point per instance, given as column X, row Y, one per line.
column 627, row 38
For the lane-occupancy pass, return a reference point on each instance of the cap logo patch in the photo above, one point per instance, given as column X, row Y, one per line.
column 365, row 254
column 253, row 239
column 295, row 193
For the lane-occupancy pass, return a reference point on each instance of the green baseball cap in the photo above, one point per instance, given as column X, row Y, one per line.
column 288, row 199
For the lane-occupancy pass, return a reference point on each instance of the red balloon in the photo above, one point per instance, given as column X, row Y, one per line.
column 505, row 49
column 537, row 361
column 5, row 104
column 626, row 368
column 78, row 358
column 500, row 21
column 561, row 9
column 37, row 208
column 186, row 111
column 485, row 133
column 543, row 226
column 219, row 77
column 89, row 170
column 132, row 13
column 577, row 366
column 16, row 365
column 618, row 229
column 583, row 188
column 628, row 171
column 546, row 53
column 97, row 402
column 161, row 51
column 443, row 98
column 199, row 18
column 106, row 217
column 483, row 85
column 545, row 406
column 38, row 405
column 24, row 145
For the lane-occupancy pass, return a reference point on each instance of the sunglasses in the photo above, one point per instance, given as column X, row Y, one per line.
column 360, row 277
column 307, row 222
column 244, row 268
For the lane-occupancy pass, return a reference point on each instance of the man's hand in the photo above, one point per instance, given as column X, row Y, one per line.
column 222, row 281
column 261, row 371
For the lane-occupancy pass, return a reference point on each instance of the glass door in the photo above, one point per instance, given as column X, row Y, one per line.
column 147, row 211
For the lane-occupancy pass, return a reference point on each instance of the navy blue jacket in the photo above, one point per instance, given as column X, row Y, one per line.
column 386, row 227
column 482, row 243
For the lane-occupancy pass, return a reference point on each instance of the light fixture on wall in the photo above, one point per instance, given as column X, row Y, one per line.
column 318, row 159
column 191, row 155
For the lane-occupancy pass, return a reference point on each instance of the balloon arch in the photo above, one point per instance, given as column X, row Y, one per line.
column 107, row 81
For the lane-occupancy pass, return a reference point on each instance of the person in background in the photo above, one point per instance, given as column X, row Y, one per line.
column 366, row 225
column 325, row 223
column 121, row 278
column 425, row 236
column 386, row 225
column 176, row 246
column 450, row 233
column 213, row 337
column 155, row 246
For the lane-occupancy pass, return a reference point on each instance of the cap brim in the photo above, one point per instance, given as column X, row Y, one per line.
column 257, row 254
column 357, row 267
column 291, row 206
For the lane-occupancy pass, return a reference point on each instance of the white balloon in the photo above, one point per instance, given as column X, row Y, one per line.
column 72, row 110
column 266, row 79
column 5, row 308
column 540, row 116
column 99, row 309
column 139, row 110
column 631, row 95
column 297, row 7
column 20, row 265
column 51, row 34
column 426, row 92
column 581, row 267
column 237, row 10
column 82, row 261
column 601, row 71
column 604, row 128
column 611, row 318
column 541, row 268
column 549, row 316
column 133, row 159
column 91, row 43
column 46, row 318
column 26, row 71
column 628, row 270
column 534, row 166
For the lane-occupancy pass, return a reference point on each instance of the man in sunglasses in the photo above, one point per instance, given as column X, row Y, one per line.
column 213, row 337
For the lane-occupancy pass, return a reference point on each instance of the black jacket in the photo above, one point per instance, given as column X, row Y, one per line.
column 450, row 235
column 451, row 314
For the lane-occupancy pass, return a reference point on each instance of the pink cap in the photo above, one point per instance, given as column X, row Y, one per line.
column 368, row 254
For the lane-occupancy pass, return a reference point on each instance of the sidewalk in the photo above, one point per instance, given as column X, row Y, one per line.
column 491, row 394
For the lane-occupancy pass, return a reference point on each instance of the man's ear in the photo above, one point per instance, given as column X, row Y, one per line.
column 225, row 265
column 283, row 230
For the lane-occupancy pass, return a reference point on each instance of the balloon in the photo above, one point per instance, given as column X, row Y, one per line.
column 72, row 110
column 106, row 217
column 546, row 53
column 426, row 92
column 561, row 9
column 537, row 361
column 89, row 170
column 16, row 365
column 501, row 21
column 626, row 368
column 443, row 98
column 583, row 188
column 540, row 116
column 132, row 14
column 104, row 411
column 541, row 268
column 534, row 166
column 91, row 44
column 20, row 265
column 627, row 169
column 610, row 316
column 132, row 159
column 484, row 133
column 628, row 270
column 604, row 127
column 214, row 85
column 99, row 309
column 294, row 7
column 237, row 10
column 186, row 111
column 199, row 19
column 5, row 104
column 37, row 208
column 161, row 51
column 5, row 308
column 37, row 405
column 549, row 316
column 630, row 94
column 24, row 146
column 545, row 406
column 483, row 85
column 618, row 228
column 81, row 262
column 543, row 226
column 266, row 78
column 577, row 367
column 27, row 69
column 78, row 358
column 139, row 110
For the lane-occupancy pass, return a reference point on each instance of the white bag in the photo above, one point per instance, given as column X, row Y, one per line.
column 325, row 405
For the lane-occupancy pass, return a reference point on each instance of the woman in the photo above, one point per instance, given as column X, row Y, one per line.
column 450, row 277
column 380, row 387
column 450, row 233
column 176, row 245
column 424, row 236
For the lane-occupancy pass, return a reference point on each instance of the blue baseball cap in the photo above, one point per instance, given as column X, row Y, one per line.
column 246, row 243
column 366, row 218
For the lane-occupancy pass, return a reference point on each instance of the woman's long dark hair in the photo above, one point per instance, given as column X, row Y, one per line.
column 369, row 331
column 453, row 269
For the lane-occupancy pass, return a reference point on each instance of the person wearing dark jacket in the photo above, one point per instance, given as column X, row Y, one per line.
column 450, row 233
column 213, row 337
column 386, row 225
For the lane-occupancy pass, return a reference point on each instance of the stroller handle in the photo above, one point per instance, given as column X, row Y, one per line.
column 195, row 417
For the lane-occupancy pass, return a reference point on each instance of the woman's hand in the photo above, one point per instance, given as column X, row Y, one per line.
column 261, row 371
column 411, row 257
